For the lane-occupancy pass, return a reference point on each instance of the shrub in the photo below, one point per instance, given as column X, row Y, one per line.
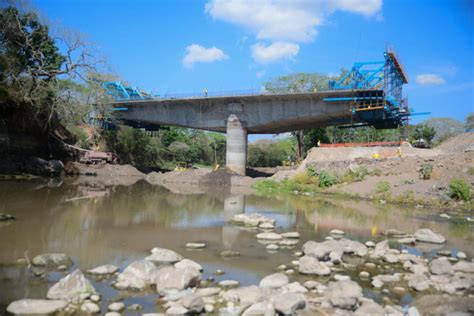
column 358, row 174
column 376, row 172
column 425, row 171
column 459, row 190
column 382, row 187
column 326, row 180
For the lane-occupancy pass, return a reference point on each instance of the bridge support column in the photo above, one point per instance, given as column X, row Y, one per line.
column 236, row 151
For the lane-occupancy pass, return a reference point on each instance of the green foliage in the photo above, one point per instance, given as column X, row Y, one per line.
column 423, row 131
column 469, row 125
column 425, row 171
column 459, row 189
column 382, row 187
column 355, row 175
column 81, row 136
column 376, row 172
column 326, row 180
column 444, row 128
column 265, row 153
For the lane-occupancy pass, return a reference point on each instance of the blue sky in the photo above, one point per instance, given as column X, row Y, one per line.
column 185, row 46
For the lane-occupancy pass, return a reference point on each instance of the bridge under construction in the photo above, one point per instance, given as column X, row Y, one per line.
column 369, row 94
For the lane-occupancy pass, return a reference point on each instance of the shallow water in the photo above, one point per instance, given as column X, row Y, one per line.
column 98, row 224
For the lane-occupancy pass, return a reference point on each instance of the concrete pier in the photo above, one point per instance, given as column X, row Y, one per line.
column 236, row 151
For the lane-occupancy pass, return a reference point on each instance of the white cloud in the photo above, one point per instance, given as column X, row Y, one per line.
column 429, row 80
column 278, row 50
column 294, row 21
column 198, row 54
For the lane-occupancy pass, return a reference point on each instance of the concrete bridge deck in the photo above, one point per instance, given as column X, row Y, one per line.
column 241, row 115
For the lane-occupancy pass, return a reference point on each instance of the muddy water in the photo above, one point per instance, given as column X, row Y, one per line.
column 97, row 224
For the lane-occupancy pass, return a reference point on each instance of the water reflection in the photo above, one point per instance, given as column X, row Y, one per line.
column 98, row 223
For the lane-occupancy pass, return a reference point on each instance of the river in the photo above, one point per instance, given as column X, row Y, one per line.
column 96, row 225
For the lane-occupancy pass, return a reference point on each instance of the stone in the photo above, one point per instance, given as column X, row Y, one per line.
column 311, row 284
column 406, row 240
column 356, row 248
column 252, row 220
column 260, row 308
column 134, row 307
column 169, row 278
column 112, row 314
column 136, row 275
column 461, row 255
column 36, row 307
column 272, row 247
column 230, row 253
column 275, row 280
column 116, row 307
column 288, row 303
column 207, row 291
column 246, row 295
column 340, row 277
column 269, row 236
column 390, row 258
column 103, row 270
column 419, row 282
column 364, row 274
column 195, row 245
column 219, row 272
column 413, row 311
column 193, row 303
column 186, row 263
column 95, row 298
column 336, row 232
column 441, row 266
column 464, row 266
column 369, row 307
column 209, row 308
column 228, row 283
column 427, row 235
column 344, row 294
column 177, row 310
column 291, row 235
column 310, row 265
column 370, row 244
column 289, row 272
column 377, row 283
column 71, row 287
column 393, row 232
column 444, row 305
column 52, row 260
column 266, row 225
column 418, row 268
column 294, row 287
column 6, row 217
column 288, row 242
column 164, row 256
column 381, row 248
column 90, row 308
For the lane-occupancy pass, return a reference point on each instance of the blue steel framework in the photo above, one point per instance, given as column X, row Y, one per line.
column 380, row 104
column 121, row 92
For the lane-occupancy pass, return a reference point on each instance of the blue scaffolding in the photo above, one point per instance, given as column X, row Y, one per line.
column 378, row 85
column 121, row 92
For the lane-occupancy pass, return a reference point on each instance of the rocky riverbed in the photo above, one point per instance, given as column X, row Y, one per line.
column 335, row 275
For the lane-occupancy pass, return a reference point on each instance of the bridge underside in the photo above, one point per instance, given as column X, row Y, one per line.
column 241, row 115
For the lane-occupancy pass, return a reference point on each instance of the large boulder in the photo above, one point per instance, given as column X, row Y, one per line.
column 429, row 236
column 275, row 280
column 52, row 260
column 193, row 303
column 171, row 278
column 438, row 305
column 288, row 303
column 356, row 248
column 344, row 294
column 369, row 307
column 260, row 308
column 163, row 256
column 464, row 266
column 381, row 248
column 323, row 250
column 310, row 265
column 137, row 275
column 103, row 270
column 36, row 307
column 186, row 263
column 71, row 287
column 252, row 220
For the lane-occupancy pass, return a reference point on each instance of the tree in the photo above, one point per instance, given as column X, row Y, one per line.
column 444, row 127
column 469, row 126
column 423, row 131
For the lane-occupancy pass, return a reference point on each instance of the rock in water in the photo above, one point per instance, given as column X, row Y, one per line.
column 344, row 294
column 275, row 280
column 52, row 260
column 246, row 295
column 260, row 308
column 6, row 217
column 195, row 245
column 137, row 275
column 269, row 236
column 71, row 286
column 103, row 270
column 163, row 256
column 427, row 235
column 36, row 307
column 186, row 263
column 310, row 265
column 289, row 303
column 441, row 266
column 169, row 278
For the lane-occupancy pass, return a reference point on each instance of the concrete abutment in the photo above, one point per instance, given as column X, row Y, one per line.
column 236, row 151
